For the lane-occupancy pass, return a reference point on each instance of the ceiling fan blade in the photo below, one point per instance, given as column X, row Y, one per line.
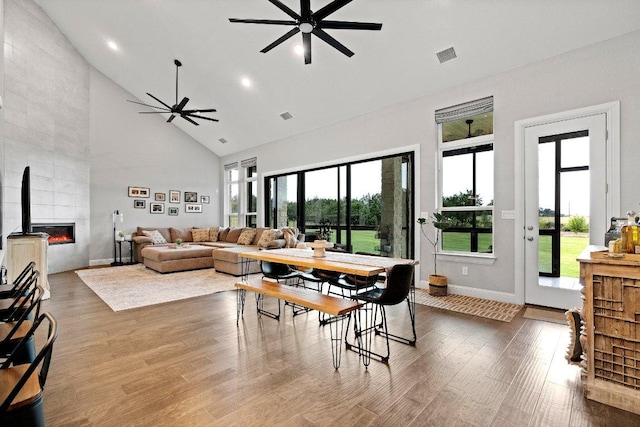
column 147, row 105
column 159, row 101
column 184, row 116
column 263, row 21
column 305, row 9
column 203, row 117
column 333, row 42
column 329, row 9
column 289, row 34
column 208, row 110
column 285, row 9
column 173, row 116
column 306, row 44
column 154, row 112
column 347, row 25
column 180, row 106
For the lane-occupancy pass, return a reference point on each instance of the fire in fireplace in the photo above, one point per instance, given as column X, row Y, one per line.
column 59, row 233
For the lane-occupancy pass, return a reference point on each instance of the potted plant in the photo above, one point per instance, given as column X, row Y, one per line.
column 178, row 242
column 120, row 235
column 437, row 282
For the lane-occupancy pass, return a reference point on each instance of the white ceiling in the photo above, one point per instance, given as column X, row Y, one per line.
column 393, row 65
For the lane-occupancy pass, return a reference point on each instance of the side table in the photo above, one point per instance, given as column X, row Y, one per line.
column 119, row 253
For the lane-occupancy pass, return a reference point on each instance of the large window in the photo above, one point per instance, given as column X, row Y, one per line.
column 241, row 193
column 466, row 176
column 364, row 206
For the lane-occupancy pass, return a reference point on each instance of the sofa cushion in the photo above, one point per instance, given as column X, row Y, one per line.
column 200, row 234
column 231, row 254
column 277, row 244
column 247, row 236
column 163, row 230
column 222, row 234
column 233, row 234
column 182, row 233
column 259, row 231
column 290, row 235
column 267, row 237
column 156, row 237
column 213, row 234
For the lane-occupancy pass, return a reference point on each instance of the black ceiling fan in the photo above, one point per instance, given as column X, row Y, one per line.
column 308, row 22
column 177, row 108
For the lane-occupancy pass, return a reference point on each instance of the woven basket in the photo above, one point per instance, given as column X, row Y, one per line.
column 437, row 285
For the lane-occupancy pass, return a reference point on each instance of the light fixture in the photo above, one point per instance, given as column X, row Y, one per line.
column 116, row 217
column 298, row 49
column 246, row 82
column 112, row 45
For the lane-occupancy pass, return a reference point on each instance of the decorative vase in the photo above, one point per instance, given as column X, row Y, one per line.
column 437, row 285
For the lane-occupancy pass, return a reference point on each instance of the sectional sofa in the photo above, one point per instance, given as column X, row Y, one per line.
column 226, row 244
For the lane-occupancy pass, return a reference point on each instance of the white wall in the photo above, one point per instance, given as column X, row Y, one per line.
column 142, row 150
column 597, row 74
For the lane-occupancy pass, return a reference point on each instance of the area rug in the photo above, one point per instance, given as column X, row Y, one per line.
column 553, row 316
column 132, row 286
column 495, row 310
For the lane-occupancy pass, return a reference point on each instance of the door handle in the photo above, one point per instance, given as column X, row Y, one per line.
column 530, row 227
column 530, row 238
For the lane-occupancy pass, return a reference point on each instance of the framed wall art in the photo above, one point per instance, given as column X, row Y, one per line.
column 193, row 208
column 160, row 197
column 156, row 208
column 204, row 199
column 139, row 204
column 139, row 192
column 190, row 197
column 172, row 210
column 174, row 196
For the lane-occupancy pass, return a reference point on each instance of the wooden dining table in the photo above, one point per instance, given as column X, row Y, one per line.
column 341, row 262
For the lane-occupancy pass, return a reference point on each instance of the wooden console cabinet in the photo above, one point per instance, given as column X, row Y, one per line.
column 24, row 248
column 611, row 329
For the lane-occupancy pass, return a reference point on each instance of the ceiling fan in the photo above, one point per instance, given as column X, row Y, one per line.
column 308, row 22
column 177, row 108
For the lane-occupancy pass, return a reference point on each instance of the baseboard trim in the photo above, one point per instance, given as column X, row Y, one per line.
column 94, row 262
column 476, row 292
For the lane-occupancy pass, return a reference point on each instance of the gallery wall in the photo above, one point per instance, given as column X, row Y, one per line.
column 593, row 75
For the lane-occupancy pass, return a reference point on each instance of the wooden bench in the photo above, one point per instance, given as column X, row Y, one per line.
column 314, row 300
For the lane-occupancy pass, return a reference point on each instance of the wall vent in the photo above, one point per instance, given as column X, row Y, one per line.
column 286, row 115
column 446, row 55
column 222, row 140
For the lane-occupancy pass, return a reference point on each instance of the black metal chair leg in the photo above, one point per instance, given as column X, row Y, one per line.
column 409, row 341
column 261, row 310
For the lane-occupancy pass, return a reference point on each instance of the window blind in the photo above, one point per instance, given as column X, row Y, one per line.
column 248, row 163
column 231, row 166
column 467, row 109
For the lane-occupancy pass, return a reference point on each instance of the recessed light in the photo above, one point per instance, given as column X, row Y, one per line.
column 298, row 49
column 112, row 45
column 246, row 82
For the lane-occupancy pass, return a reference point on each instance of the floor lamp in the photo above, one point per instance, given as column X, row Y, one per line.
column 116, row 217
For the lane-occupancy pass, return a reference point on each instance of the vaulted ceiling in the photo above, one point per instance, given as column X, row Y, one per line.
column 390, row 66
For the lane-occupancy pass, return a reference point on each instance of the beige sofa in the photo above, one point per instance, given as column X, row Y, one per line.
column 224, row 243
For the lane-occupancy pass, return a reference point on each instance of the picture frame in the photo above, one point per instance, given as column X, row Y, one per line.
column 160, row 197
column 139, row 204
column 156, row 208
column 190, row 197
column 174, row 196
column 204, row 199
column 139, row 192
column 193, row 208
column 172, row 211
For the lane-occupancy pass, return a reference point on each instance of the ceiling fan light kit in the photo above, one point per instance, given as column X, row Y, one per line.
column 308, row 22
column 177, row 109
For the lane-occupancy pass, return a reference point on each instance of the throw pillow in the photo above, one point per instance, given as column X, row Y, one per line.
column 222, row 235
column 267, row 237
column 290, row 235
column 213, row 234
column 233, row 234
column 574, row 351
column 247, row 236
column 156, row 237
column 183, row 233
column 200, row 234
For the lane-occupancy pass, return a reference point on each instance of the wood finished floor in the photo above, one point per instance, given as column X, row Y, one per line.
column 186, row 363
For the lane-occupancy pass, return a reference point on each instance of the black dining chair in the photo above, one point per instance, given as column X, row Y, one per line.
column 12, row 309
column 11, row 333
column 18, row 286
column 281, row 273
column 21, row 394
column 398, row 286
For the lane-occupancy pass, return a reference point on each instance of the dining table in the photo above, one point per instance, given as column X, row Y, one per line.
column 341, row 262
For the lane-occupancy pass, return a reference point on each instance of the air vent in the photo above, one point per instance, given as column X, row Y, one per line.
column 446, row 55
column 222, row 140
column 286, row 115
